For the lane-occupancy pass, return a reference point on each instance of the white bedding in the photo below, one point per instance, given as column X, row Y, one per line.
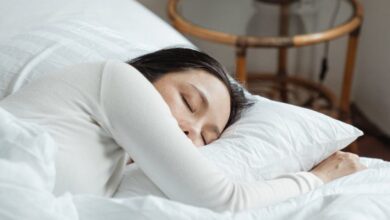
column 41, row 36
column 128, row 17
column 26, row 151
column 27, row 177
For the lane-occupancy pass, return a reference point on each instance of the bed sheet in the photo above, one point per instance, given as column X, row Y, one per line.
column 128, row 17
column 27, row 177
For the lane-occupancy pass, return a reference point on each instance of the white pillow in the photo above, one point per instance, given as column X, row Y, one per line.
column 43, row 50
column 274, row 138
column 46, row 48
column 128, row 17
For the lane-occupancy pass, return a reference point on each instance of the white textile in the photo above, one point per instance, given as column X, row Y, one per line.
column 26, row 158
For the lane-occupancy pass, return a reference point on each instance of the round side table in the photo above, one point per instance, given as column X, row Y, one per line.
column 284, row 33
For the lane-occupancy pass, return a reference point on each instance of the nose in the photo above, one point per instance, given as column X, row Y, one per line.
column 193, row 132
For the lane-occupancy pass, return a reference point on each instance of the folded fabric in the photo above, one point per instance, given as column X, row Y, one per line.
column 24, row 192
column 27, row 174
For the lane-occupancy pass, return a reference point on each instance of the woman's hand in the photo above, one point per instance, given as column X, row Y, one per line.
column 338, row 165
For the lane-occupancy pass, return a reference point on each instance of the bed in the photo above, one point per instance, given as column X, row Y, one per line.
column 41, row 36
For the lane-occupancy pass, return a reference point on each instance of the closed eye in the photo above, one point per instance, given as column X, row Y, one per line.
column 186, row 103
column 204, row 140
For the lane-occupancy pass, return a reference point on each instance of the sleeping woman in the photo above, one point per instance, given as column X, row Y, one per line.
column 154, row 110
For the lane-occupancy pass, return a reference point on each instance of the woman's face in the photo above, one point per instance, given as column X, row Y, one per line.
column 199, row 101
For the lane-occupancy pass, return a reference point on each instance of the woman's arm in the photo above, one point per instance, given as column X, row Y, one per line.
column 140, row 121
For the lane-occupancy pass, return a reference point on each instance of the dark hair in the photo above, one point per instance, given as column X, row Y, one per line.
column 156, row 64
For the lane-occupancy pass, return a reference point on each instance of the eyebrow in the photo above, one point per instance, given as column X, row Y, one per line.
column 214, row 128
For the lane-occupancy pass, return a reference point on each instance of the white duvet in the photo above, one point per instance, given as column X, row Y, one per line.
column 27, row 177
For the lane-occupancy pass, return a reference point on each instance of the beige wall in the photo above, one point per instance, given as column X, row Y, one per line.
column 372, row 76
column 372, row 84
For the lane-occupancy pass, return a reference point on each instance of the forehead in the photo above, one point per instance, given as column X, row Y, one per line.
column 201, row 78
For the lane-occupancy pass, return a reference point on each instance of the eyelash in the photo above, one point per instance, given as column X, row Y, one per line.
column 186, row 103
column 189, row 107
column 204, row 140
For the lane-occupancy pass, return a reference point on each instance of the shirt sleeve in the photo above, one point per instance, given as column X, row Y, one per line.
column 140, row 121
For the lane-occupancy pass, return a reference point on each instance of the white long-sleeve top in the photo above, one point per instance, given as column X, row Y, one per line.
column 98, row 113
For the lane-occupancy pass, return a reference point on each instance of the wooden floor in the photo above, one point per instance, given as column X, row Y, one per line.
column 370, row 146
column 374, row 143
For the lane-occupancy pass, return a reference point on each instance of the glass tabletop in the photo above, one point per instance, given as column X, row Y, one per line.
column 265, row 18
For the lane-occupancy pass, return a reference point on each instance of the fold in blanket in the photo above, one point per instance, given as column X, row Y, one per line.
column 27, row 177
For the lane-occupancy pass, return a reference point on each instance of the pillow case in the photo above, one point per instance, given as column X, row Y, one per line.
column 128, row 17
column 273, row 138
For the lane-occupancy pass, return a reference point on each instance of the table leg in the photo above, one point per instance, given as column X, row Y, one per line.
column 282, row 52
column 348, row 76
column 344, row 112
column 282, row 73
column 241, row 64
